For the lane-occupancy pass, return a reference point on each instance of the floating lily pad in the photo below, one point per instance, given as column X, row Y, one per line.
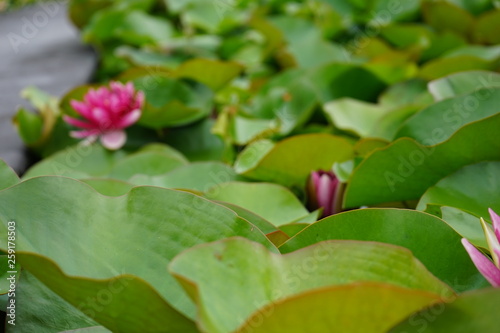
column 394, row 226
column 147, row 222
column 405, row 169
column 331, row 309
column 276, row 277
column 8, row 177
column 473, row 188
column 441, row 120
column 291, row 161
column 470, row 312
column 273, row 202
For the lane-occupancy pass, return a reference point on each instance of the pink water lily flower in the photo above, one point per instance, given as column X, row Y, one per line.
column 107, row 112
column 489, row 268
column 325, row 192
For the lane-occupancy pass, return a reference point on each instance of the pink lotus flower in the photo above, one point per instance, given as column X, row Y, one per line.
column 325, row 191
column 107, row 112
column 490, row 269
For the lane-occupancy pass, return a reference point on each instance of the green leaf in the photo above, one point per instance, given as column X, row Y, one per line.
column 419, row 232
column 78, row 162
column 441, row 67
column 405, row 169
column 465, row 224
column 38, row 130
column 486, row 26
column 470, row 312
column 264, row 225
column 293, row 228
column 438, row 122
column 405, row 36
column 488, row 53
column 213, row 73
column 306, row 44
column 109, row 187
column 473, row 188
column 95, row 329
column 29, row 126
column 147, row 163
column 8, row 177
column 340, row 309
column 354, row 115
column 197, row 142
column 463, row 82
column 145, row 57
column 39, row 309
column 210, row 16
column 474, row 7
column 290, row 162
column 171, row 102
column 199, row 176
column 276, row 277
column 444, row 16
column 365, row 119
column 411, row 92
column 289, row 98
column 442, row 43
column 115, row 303
column 81, row 11
column 342, row 80
column 94, row 232
column 128, row 26
column 241, row 130
column 271, row 201
column 82, row 162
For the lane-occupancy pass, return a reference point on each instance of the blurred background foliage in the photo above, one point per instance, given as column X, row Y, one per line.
column 233, row 72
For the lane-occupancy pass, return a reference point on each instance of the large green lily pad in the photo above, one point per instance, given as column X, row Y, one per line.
column 290, row 162
column 474, row 188
column 422, row 233
column 405, row 169
column 470, row 312
column 339, row 309
column 148, row 224
column 275, row 277
column 273, row 202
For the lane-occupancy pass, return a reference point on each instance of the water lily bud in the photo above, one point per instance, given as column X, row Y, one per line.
column 325, row 191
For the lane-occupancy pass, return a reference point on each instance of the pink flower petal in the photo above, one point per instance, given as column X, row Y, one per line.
column 78, row 123
column 101, row 117
column 129, row 88
column 128, row 119
column 325, row 193
column 82, row 108
column 496, row 222
column 114, row 140
column 483, row 264
column 315, row 178
column 139, row 100
column 83, row 134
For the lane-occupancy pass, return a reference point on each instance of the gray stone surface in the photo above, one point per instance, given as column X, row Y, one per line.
column 38, row 46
